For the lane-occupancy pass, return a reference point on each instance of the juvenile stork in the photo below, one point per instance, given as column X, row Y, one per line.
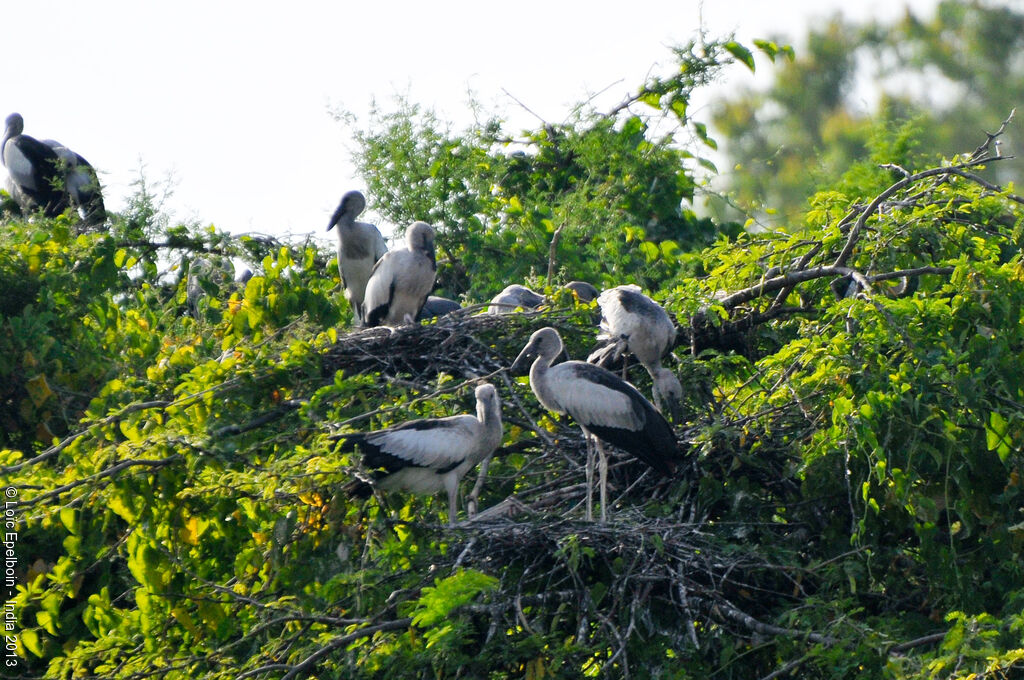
column 605, row 407
column 513, row 297
column 436, row 306
column 402, row 279
column 35, row 173
column 360, row 245
column 426, row 456
column 632, row 322
column 584, row 292
column 81, row 183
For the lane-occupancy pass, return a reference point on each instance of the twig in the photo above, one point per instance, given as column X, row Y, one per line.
column 313, row 659
column 109, row 472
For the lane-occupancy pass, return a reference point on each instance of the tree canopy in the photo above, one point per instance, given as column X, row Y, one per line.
column 853, row 86
column 850, row 503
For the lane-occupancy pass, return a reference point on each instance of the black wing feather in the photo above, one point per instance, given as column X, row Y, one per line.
column 654, row 443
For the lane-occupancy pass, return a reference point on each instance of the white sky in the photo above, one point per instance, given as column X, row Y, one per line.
column 232, row 98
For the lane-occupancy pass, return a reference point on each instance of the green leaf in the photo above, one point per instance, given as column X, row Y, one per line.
column 740, row 52
column 437, row 602
column 679, row 107
column 652, row 99
column 30, row 640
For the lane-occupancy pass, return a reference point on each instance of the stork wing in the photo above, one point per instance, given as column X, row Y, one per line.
column 595, row 396
column 440, row 444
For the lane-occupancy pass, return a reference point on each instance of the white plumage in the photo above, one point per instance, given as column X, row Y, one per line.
column 513, row 297
column 427, row 456
column 401, row 280
column 360, row 245
column 604, row 405
column 632, row 322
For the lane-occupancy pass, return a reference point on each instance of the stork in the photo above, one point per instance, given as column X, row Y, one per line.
column 35, row 173
column 513, row 297
column 605, row 407
column 426, row 456
column 401, row 280
column 584, row 292
column 633, row 322
column 81, row 183
column 436, row 306
column 360, row 245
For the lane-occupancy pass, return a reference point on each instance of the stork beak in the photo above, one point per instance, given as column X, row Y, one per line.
column 521, row 366
column 673, row 411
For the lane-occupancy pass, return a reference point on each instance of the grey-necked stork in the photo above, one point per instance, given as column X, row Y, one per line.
column 632, row 322
column 584, row 292
column 402, row 279
column 36, row 179
column 81, row 182
column 514, row 297
column 360, row 245
column 605, row 407
column 436, row 306
column 430, row 455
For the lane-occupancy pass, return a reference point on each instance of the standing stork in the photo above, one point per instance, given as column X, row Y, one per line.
column 35, row 173
column 360, row 245
column 402, row 279
column 632, row 322
column 426, row 456
column 513, row 297
column 605, row 406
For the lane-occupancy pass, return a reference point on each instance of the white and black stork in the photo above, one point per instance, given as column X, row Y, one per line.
column 605, row 407
column 360, row 245
column 426, row 456
column 513, row 297
column 632, row 322
column 36, row 178
column 401, row 280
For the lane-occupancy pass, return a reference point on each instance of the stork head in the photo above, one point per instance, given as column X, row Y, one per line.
column 545, row 344
column 14, row 125
column 526, row 298
column 487, row 398
column 668, row 393
column 352, row 203
column 420, row 237
column 583, row 291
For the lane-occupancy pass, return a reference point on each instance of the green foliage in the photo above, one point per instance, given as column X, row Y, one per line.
column 539, row 201
column 850, row 504
column 955, row 74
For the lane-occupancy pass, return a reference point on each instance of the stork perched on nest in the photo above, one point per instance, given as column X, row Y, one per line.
column 632, row 322
column 514, row 297
column 584, row 292
column 360, row 245
column 605, row 407
column 426, row 456
column 436, row 306
column 401, row 280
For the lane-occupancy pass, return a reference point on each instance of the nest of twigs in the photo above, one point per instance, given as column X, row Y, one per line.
column 664, row 567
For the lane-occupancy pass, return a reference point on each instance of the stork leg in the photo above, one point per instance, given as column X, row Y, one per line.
column 603, row 476
column 590, row 475
column 474, row 495
column 451, row 484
